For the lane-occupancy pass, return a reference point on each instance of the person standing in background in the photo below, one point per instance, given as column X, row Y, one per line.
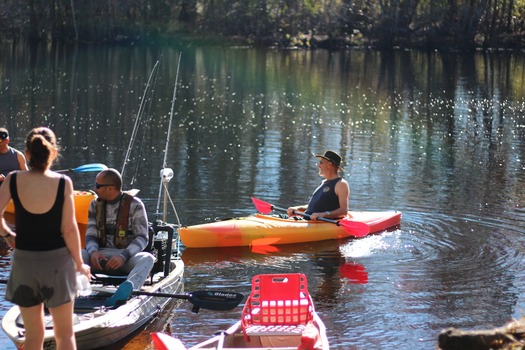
column 46, row 245
column 10, row 158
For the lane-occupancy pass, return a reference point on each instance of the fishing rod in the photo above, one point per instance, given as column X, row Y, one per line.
column 167, row 173
column 139, row 118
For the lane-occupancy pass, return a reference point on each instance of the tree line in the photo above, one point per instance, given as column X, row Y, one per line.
column 427, row 24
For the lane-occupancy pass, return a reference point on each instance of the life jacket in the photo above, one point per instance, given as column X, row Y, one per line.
column 122, row 227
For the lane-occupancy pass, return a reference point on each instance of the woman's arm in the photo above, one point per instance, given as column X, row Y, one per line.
column 70, row 229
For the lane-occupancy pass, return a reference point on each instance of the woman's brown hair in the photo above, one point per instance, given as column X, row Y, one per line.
column 40, row 144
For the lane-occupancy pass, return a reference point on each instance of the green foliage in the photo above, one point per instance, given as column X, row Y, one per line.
column 456, row 24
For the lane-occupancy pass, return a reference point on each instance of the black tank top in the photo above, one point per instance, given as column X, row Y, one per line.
column 324, row 198
column 38, row 232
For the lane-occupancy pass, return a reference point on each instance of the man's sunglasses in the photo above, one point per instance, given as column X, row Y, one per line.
column 3, row 135
column 97, row 185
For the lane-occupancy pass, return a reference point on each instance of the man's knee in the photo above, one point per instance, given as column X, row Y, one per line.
column 149, row 258
column 145, row 259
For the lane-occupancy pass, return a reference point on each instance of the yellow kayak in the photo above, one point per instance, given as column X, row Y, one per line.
column 262, row 229
column 82, row 201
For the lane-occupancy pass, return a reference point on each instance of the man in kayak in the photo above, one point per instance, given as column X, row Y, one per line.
column 10, row 158
column 330, row 199
column 116, row 235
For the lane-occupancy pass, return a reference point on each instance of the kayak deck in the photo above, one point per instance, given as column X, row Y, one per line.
column 262, row 229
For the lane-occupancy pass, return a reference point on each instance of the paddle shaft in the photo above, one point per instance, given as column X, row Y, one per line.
column 211, row 300
column 295, row 212
column 139, row 292
column 166, row 295
column 205, row 299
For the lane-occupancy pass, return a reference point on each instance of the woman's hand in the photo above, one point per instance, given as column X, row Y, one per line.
column 85, row 270
column 10, row 238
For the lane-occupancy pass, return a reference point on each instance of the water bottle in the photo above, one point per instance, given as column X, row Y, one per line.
column 83, row 285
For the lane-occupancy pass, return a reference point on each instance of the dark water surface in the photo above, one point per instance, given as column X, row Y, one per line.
column 439, row 137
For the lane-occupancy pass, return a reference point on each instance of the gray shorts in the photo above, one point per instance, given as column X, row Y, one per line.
column 41, row 277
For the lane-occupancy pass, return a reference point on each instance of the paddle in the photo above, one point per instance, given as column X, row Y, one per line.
column 355, row 228
column 205, row 299
column 85, row 168
column 210, row 300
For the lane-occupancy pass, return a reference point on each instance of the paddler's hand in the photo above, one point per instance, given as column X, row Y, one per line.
column 291, row 211
column 315, row 216
column 115, row 262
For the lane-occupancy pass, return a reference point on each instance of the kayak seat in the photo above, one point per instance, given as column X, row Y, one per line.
column 279, row 304
column 158, row 237
column 117, row 279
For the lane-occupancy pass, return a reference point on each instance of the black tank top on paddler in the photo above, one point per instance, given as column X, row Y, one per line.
column 324, row 198
column 38, row 232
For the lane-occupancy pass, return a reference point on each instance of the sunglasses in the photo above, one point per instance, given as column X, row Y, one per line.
column 97, row 185
column 3, row 136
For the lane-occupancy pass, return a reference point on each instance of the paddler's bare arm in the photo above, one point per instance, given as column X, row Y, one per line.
column 300, row 208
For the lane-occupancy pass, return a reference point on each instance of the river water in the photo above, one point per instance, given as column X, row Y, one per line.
column 439, row 137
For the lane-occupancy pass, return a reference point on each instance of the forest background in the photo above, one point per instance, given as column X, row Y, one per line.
column 385, row 24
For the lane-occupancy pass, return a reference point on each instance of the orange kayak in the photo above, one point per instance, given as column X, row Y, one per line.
column 262, row 229
column 82, row 201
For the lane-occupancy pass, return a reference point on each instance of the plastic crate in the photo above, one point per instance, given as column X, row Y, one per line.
column 278, row 303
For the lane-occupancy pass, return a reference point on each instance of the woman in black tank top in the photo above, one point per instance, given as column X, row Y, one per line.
column 46, row 245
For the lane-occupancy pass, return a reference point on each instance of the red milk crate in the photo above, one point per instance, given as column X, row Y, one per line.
column 278, row 303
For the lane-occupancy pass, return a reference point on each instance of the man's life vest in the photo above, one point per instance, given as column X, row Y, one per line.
column 122, row 228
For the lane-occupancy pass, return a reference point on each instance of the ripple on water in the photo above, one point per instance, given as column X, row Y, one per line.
column 436, row 271
column 399, row 287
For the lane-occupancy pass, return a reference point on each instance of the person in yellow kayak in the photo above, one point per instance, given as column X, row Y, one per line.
column 330, row 199
column 116, row 235
column 10, row 158
column 47, row 243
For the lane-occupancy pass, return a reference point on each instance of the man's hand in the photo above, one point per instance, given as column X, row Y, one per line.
column 115, row 262
column 95, row 258
column 314, row 216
